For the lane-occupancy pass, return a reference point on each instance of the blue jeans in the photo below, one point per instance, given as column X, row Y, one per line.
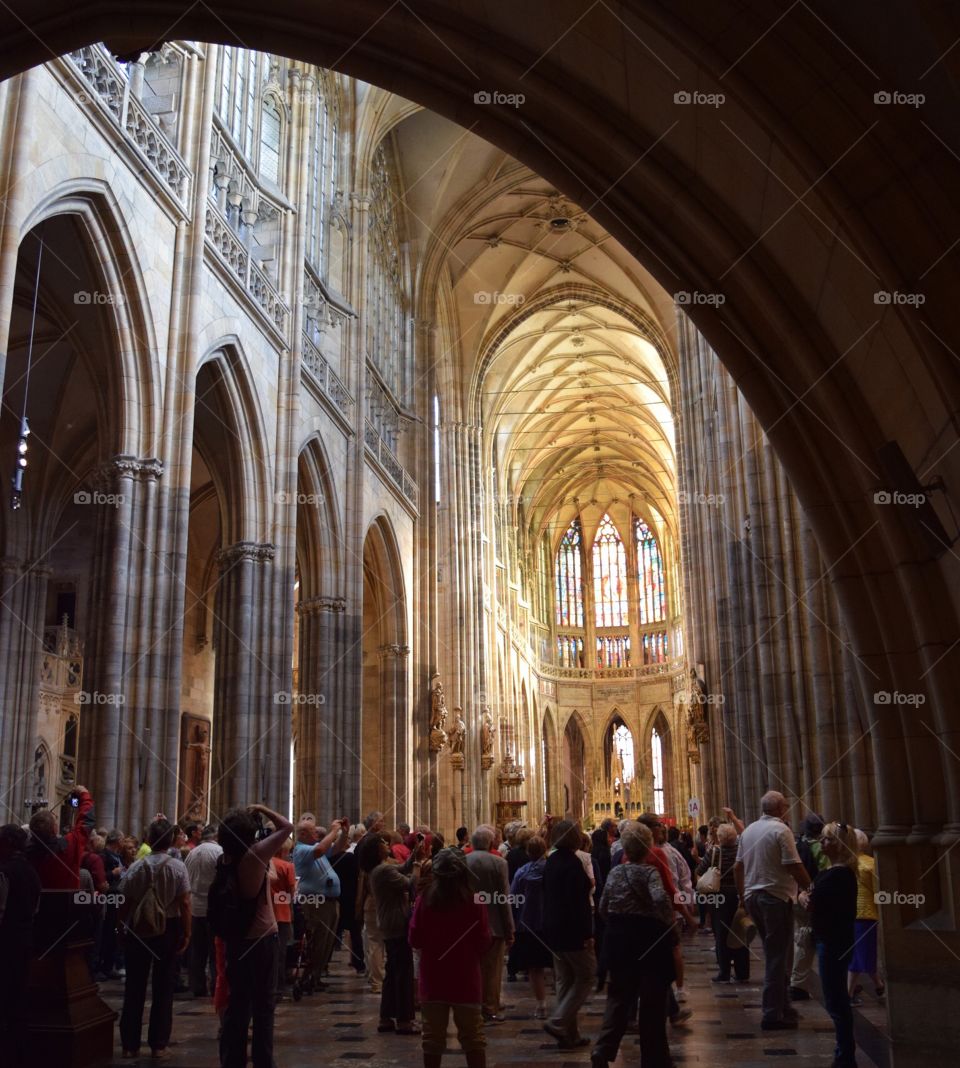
column 836, row 1000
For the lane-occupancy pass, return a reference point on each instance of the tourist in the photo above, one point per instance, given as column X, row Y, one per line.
column 833, row 911
column 864, row 958
column 155, row 913
column 19, row 897
column 319, row 891
column 637, row 951
column 531, row 952
column 601, row 843
column 251, row 947
column 107, row 967
column 374, row 952
column 724, row 857
column 804, row 944
column 57, row 858
column 449, row 927
column 350, row 920
column 664, row 863
column 392, row 886
column 194, row 835
column 768, row 872
column 463, row 836
column 373, row 822
column 283, row 889
column 517, row 836
column 568, row 927
column 493, row 886
column 92, row 862
column 201, row 864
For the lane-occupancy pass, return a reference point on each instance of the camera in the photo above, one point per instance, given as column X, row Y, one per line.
column 75, row 801
column 262, row 830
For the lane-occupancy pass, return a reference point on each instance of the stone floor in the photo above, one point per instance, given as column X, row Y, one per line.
column 338, row 1027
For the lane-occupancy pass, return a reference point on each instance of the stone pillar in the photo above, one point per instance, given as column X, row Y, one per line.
column 251, row 718
column 23, row 589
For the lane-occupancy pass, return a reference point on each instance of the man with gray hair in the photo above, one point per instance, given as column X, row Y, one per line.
column 373, row 822
column 768, row 872
column 493, row 890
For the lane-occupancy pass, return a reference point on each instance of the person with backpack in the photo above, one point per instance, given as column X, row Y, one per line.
column 804, row 945
column 532, row 954
column 155, row 914
column 240, row 911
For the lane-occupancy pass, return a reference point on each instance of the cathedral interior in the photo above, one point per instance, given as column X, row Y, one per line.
column 470, row 414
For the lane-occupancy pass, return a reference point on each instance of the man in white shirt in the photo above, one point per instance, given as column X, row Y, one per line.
column 768, row 873
column 201, row 865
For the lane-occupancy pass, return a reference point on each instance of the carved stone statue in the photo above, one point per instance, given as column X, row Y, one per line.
column 199, row 750
column 457, row 739
column 486, row 739
column 438, row 714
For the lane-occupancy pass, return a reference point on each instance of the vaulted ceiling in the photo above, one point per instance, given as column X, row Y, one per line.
column 562, row 345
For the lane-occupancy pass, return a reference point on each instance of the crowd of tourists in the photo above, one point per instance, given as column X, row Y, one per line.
column 249, row 912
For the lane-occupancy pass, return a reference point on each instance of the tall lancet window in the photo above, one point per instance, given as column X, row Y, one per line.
column 649, row 576
column 656, row 749
column 570, row 578
column 609, row 576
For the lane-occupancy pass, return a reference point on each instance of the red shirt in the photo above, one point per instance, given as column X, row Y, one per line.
column 451, row 942
column 93, row 862
column 58, row 862
column 283, row 885
column 660, row 862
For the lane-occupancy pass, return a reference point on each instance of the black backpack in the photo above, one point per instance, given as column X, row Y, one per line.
column 229, row 915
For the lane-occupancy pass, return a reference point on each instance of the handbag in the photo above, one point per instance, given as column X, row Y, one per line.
column 709, row 882
column 742, row 930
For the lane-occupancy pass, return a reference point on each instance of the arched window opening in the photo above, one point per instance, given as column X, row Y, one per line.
column 569, row 576
column 271, row 129
column 649, row 576
column 659, row 791
column 609, row 576
column 623, row 753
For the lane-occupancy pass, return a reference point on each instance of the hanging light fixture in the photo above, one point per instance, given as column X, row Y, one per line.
column 22, row 443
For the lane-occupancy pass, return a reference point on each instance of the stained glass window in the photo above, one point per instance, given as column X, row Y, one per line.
column 614, row 651
column 609, row 576
column 623, row 748
column 656, row 748
column 649, row 576
column 655, row 649
column 271, row 126
column 570, row 578
column 569, row 651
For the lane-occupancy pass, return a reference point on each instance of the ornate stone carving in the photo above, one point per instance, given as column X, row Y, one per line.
column 438, row 714
column 458, row 738
column 698, row 730
column 486, row 740
column 195, row 764
column 313, row 605
column 257, row 552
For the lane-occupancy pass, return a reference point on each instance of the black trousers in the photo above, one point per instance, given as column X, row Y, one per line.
column 740, row 958
column 15, row 953
column 203, row 958
column 146, row 957
column 624, row 991
column 353, row 924
column 396, row 998
column 251, row 975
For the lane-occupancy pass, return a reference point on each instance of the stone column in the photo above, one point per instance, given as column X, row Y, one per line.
column 23, row 588
column 251, row 715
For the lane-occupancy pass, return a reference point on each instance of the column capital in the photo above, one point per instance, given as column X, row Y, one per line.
column 313, row 605
column 394, row 651
column 141, row 469
column 257, row 552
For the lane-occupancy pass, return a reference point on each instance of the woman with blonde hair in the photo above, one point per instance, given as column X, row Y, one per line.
column 864, row 960
column 832, row 904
